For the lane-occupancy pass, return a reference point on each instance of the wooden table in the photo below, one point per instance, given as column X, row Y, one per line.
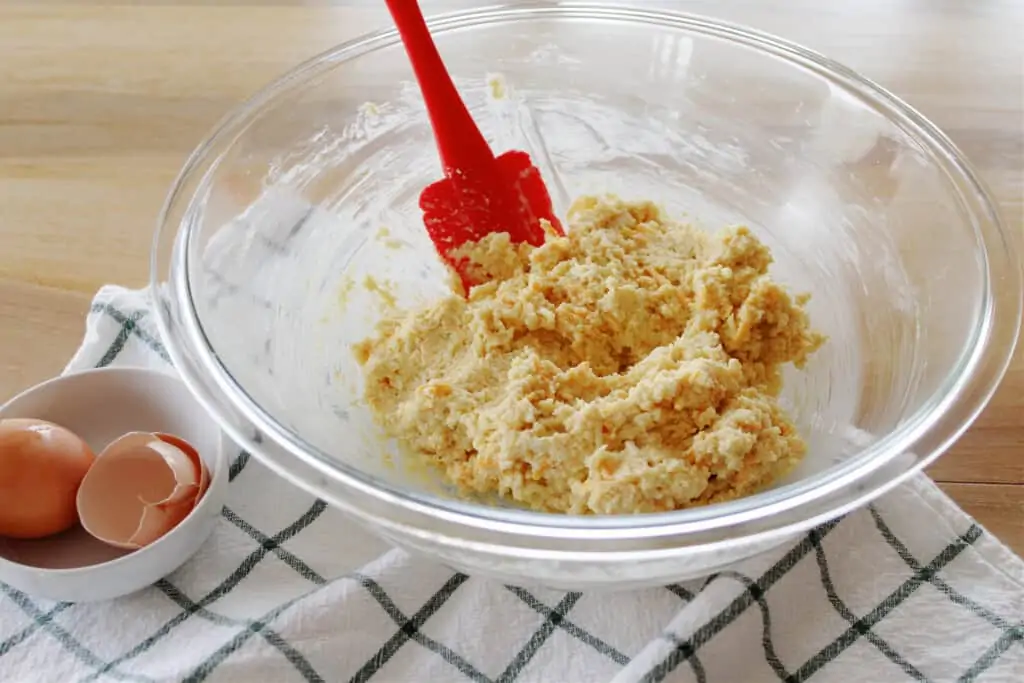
column 100, row 102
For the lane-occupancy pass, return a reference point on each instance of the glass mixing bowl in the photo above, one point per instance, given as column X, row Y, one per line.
column 298, row 213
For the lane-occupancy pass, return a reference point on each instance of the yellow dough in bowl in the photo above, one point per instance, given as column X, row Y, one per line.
column 630, row 366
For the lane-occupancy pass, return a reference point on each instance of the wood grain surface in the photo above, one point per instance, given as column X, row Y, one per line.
column 100, row 103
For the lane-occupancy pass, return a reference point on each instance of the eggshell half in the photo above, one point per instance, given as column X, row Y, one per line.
column 140, row 487
column 193, row 455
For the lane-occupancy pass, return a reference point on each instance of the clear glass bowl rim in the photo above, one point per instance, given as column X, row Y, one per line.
column 966, row 390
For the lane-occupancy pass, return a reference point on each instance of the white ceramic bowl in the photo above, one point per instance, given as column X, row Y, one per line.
column 100, row 405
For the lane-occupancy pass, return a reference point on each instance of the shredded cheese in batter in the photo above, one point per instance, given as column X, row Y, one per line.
column 631, row 366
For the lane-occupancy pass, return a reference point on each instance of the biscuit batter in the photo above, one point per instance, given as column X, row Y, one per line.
column 630, row 366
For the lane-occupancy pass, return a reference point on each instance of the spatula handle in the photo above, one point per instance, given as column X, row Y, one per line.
column 460, row 143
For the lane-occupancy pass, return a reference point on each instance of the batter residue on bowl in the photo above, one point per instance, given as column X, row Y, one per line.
column 630, row 366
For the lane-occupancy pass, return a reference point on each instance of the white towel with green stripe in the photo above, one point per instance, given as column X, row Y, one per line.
column 909, row 589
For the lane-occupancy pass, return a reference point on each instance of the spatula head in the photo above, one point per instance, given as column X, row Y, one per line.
column 469, row 204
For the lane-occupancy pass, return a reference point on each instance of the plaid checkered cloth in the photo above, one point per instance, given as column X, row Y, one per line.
column 909, row 589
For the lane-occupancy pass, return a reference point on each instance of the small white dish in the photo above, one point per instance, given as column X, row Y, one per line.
column 101, row 405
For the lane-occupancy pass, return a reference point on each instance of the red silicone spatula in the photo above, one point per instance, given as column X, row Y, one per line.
column 480, row 193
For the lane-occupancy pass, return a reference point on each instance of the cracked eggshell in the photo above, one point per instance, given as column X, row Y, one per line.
column 141, row 486
column 193, row 455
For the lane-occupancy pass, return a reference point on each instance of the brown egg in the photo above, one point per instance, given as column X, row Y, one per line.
column 41, row 467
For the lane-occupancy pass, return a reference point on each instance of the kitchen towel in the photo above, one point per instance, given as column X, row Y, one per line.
column 288, row 589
